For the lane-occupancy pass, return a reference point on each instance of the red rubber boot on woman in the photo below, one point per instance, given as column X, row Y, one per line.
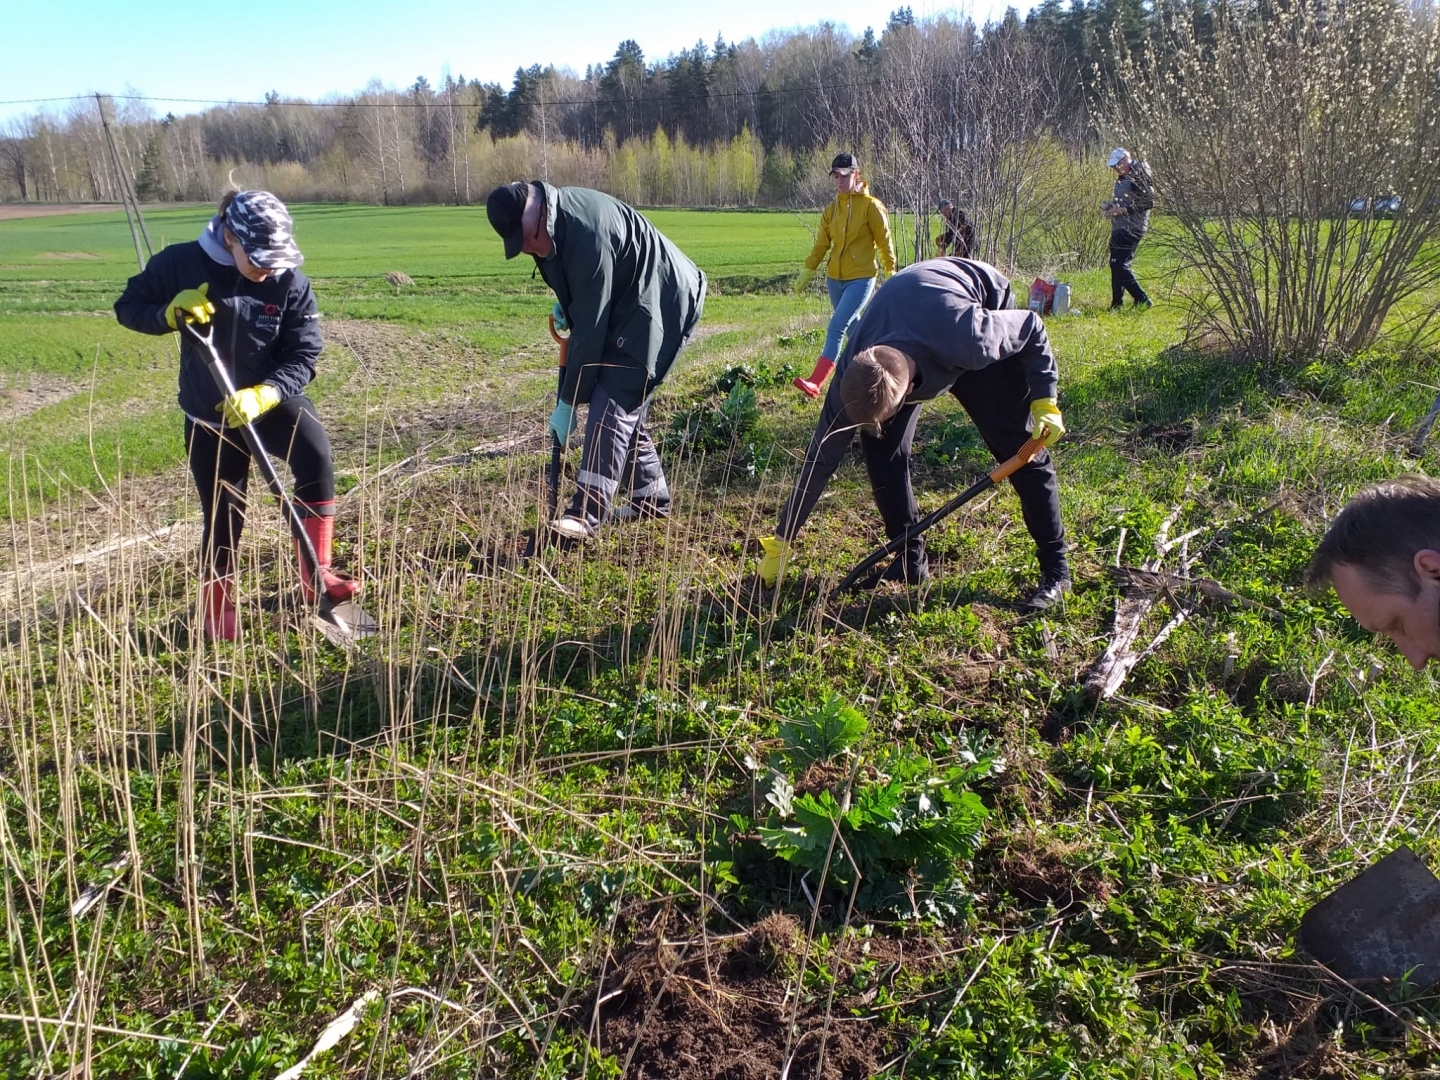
column 319, row 520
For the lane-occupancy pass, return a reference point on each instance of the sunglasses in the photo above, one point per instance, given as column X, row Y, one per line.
column 841, row 172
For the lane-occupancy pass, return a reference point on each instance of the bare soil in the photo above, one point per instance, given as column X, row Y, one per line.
column 1037, row 872
column 685, row 1010
column 15, row 211
column 37, row 392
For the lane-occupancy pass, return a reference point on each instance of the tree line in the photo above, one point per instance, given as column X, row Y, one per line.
column 1271, row 119
column 788, row 93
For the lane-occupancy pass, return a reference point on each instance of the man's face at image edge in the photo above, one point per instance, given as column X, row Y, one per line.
column 1411, row 622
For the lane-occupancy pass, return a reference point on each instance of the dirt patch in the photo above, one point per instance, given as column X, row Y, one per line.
column 1039, row 872
column 15, row 211
column 684, row 1011
column 37, row 392
column 1171, row 437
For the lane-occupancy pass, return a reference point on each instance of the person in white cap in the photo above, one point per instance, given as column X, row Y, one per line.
column 1129, row 213
column 241, row 275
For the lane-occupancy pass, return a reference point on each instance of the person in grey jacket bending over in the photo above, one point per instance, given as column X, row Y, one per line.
column 631, row 300
column 941, row 325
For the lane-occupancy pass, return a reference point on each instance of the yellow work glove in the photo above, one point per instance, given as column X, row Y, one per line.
column 194, row 303
column 1048, row 424
column 804, row 279
column 777, row 554
column 247, row 405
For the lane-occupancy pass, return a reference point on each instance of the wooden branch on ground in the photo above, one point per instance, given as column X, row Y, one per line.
column 1141, row 588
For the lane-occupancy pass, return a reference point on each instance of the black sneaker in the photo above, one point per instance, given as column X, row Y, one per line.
column 1052, row 587
column 1143, row 305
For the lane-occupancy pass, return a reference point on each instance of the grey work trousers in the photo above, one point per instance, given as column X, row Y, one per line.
column 618, row 452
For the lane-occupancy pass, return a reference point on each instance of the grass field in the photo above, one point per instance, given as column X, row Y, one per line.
column 578, row 816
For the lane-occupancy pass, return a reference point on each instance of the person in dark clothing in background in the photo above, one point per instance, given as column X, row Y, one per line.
column 957, row 232
column 631, row 300
column 1129, row 213
column 241, row 274
column 936, row 326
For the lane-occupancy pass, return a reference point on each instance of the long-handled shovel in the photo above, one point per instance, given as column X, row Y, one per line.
column 346, row 616
column 985, row 483
column 557, row 448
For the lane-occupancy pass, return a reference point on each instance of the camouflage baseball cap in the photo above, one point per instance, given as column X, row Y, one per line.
column 262, row 225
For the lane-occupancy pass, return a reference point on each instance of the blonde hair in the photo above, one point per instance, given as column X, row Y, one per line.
column 229, row 196
column 874, row 386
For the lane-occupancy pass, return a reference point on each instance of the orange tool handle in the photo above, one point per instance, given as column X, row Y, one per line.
column 1023, row 456
column 563, row 342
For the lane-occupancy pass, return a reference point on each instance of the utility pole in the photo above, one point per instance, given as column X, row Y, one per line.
column 127, row 194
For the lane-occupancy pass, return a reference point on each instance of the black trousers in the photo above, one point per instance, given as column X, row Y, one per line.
column 1122, row 278
column 220, row 464
column 997, row 400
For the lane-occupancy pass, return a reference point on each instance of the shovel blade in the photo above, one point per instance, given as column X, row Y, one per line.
column 349, row 619
column 1379, row 925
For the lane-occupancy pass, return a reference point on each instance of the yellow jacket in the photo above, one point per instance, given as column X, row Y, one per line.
column 856, row 225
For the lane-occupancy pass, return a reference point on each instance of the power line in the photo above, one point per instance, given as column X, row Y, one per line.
column 439, row 98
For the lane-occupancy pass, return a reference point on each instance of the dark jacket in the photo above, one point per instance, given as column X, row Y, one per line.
column 266, row 332
column 957, row 238
column 631, row 296
column 948, row 315
column 1135, row 192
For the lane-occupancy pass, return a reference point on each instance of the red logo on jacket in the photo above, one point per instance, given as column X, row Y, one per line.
column 271, row 309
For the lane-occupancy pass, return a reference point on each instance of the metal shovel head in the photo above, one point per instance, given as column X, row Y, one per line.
column 1379, row 925
column 348, row 618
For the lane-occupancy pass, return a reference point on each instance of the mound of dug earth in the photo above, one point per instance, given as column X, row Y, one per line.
column 681, row 1011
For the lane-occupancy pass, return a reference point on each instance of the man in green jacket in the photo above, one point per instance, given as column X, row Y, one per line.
column 630, row 300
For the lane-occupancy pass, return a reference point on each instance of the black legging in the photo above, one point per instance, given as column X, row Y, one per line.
column 220, row 464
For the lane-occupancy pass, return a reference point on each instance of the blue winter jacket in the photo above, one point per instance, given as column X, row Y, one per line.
column 266, row 332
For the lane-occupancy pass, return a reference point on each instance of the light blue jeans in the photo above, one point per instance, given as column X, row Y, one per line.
column 848, row 298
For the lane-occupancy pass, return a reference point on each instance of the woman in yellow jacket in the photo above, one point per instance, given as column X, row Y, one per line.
column 854, row 228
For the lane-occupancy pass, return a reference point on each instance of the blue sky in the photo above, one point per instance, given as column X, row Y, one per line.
column 310, row 48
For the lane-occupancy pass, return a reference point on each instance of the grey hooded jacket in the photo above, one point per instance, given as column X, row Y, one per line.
column 632, row 297
column 948, row 315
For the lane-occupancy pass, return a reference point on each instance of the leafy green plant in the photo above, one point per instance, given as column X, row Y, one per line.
column 895, row 831
column 810, row 337
column 831, row 730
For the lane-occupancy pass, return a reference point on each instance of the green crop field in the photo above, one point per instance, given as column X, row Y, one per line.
column 618, row 811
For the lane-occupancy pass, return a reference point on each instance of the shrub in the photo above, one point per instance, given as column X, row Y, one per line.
column 1298, row 147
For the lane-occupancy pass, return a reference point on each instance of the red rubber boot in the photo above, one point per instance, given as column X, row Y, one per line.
column 811, row 387
column 319, row 521
column 217, row 609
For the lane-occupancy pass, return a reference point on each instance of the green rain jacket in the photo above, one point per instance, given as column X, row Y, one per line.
column 632, row 297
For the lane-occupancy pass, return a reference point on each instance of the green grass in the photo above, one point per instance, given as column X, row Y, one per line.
column 543, row 783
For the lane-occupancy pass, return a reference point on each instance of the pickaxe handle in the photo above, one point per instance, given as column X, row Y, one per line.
column 1003, row 471
column 557, row 449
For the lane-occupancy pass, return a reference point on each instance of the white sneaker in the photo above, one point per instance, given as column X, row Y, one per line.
column 571, row 528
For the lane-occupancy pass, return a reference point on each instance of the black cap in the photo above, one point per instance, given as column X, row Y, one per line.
column 844, row 161
column 505, row 208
